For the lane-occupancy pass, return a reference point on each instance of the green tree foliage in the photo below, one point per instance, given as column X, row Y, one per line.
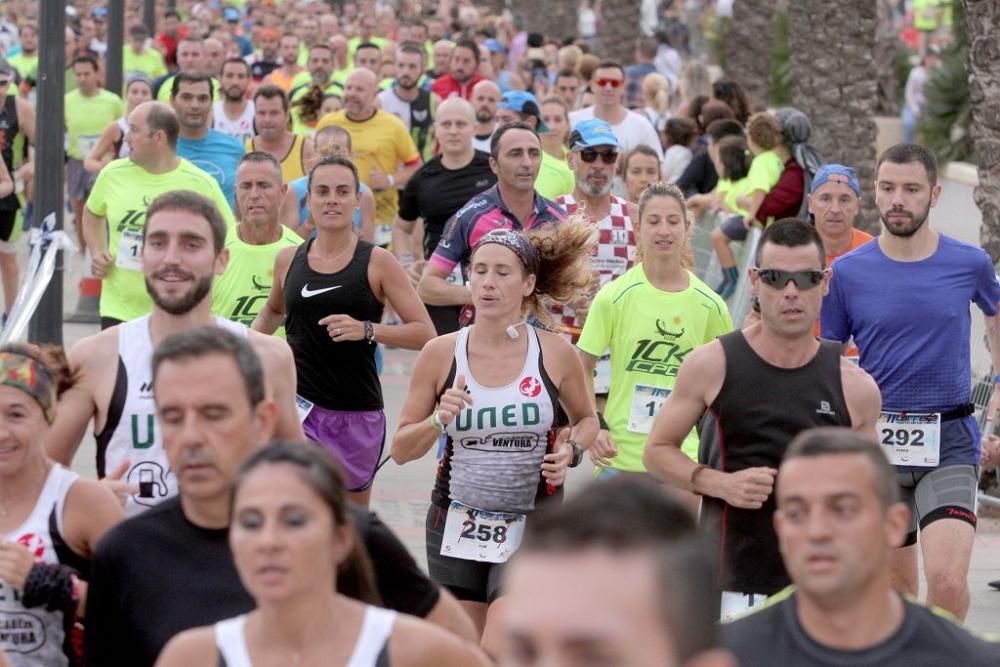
column 945, row 125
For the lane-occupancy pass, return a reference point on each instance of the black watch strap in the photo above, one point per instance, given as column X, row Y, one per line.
column 577, row 453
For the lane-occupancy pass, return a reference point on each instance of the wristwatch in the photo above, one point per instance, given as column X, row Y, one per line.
column 577, row 453
column 369, row 331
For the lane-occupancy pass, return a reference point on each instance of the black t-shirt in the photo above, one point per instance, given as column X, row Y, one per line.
column 158, row 574
column 699, row 176
column 774, row 636
column 436, row 193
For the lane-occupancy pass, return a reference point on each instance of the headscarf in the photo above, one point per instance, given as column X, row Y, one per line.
column 32, row 377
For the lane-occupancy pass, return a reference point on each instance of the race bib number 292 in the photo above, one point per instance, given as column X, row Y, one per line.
column 910, row 439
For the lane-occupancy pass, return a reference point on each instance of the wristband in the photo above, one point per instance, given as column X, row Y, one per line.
column 369, row 331
column 435, row 421
column 52, row 585
column 577, row 453
column 694, row 473
column 996, row 379
column 602, row 422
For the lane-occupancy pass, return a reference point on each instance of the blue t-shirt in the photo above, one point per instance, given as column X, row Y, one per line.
column 217, row 154
column 911, row 322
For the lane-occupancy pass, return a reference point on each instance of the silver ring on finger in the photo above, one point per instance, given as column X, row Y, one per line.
column 336, row 331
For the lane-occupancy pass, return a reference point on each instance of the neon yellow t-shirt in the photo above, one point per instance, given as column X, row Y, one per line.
column 298, row 125
column 86, row 118
column 380, row 141
column 240, row 292
column 732, row 192
column 26, row 66
column 649, row 332
column 555, row 178
column 354, row 42
column 765, row 171
column 121, row 195
column 149, row 62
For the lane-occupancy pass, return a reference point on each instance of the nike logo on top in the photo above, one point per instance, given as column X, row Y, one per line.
column 306, row 292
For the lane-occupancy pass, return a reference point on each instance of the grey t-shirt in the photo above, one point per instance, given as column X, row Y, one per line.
column 774, row 637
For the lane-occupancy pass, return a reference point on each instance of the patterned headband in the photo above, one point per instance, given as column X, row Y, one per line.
column 30, row 376
column 516, row 242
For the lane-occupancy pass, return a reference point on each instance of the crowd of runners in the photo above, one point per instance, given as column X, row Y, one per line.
column 283, row 190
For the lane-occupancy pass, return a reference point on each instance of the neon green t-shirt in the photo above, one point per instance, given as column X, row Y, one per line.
column 354, row 42
column 733, row 191
column 26, row 66
column 555, row 178
column 168, row 84
column 86, row 118
column 121, row 195
column 240, row 292
column 765, row 171
column 149, row 62
column 649, row 332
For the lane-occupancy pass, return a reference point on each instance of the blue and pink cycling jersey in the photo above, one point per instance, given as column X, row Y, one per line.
column 483, row 213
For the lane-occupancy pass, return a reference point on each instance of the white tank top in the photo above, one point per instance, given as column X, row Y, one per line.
column 497, row 444
column 131, row 432
column 34, row 637
column 230, row 639
column 241, row 128
column 123, row 149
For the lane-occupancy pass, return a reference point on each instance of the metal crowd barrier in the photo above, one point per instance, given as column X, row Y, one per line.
column 707, row 262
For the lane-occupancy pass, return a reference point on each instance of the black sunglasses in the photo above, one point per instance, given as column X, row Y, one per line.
column 779, row 279
column 588, row 155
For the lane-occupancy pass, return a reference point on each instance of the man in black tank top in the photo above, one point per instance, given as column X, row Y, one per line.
column 763, row 385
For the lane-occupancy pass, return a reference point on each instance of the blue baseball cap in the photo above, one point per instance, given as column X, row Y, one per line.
column 99, row 12
column 828, row 173
column 495, row 46
column 592, row 132
column 524, row 103
column 231, row 14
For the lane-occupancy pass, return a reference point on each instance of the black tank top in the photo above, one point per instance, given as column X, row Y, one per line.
column 758, row 411
column 9, row 128
column 335, row 376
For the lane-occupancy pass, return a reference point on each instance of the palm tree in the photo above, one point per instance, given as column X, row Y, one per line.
column 982, row 25
column 834, row 82
column 886, row 48
column 748, row 49
column 555, row 18
column 619, row 29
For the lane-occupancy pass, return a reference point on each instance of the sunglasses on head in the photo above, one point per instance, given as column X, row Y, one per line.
column 614, row 83
column 779, row 279
column 4, row 82
column 589, row 155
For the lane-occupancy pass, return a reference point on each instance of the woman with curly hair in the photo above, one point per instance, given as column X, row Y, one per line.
column 50, row 519
column 494, row 390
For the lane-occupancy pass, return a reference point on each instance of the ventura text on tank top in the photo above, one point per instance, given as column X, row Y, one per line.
column 494, row 449
column 759, row 409
column 131, row 431
column 36, row 637
column 333, row 375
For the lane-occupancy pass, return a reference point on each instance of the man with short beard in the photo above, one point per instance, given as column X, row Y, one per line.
column 233, row 114
column 266, row 60
column 183, row 250
column 212, row 151
column 904, row 298
column 407, row 101
column 485, row 98
column 593, row 156
column 463, row 72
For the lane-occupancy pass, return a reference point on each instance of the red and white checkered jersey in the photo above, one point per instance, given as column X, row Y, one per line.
column 614, row 254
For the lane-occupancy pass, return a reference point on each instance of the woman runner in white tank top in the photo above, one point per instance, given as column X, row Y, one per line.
column 290, row 533
column 50, row 520
column 494, row 389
